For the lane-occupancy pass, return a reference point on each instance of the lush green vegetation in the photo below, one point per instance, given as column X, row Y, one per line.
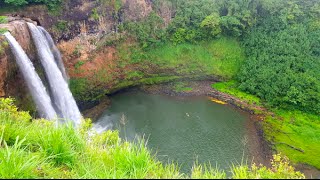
column 3, row 30
column 3, row 19
column 280, row 40
column 283, row 65
column 295, row 134
column 230, row 87
column 221, row 57
column 37, row 148
column 50, row 3
column 270, row 49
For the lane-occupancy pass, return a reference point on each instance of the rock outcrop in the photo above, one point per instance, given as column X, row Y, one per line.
column 90, row 16
column 11, row 81
column 77, row 28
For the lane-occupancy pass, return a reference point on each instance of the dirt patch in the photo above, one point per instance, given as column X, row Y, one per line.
column 308, row 171
column 82, row 60
column 136, row 9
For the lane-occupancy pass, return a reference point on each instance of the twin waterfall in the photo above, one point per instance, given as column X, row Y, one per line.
column 58, row 103
column 36, row 87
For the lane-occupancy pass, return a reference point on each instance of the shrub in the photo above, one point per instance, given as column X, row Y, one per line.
column 3, row 19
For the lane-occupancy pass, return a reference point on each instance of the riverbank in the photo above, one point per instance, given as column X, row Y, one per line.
column 38, row 149
column 258, row 113
column 262, row 151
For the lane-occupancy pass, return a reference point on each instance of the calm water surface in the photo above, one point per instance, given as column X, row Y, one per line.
column 183, row 130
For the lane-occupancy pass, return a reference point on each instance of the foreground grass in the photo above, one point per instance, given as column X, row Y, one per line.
column 293, row 133
column 38, row 149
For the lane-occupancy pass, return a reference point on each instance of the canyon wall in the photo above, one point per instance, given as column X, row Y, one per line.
column 78, row 28
column 11, row 81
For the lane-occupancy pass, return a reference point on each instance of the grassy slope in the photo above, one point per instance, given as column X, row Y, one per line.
column 299, row 130
column 134, row 66
column 36, row 149
column 221, row 57
column 230, row 88
column 287, row 129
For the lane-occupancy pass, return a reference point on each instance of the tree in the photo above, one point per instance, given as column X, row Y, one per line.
column 282, row 66
column 16, row 2
column 211, row 24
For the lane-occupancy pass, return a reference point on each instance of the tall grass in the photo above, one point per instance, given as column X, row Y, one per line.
column 207, row 172
column 16, row 162
column 42, row 150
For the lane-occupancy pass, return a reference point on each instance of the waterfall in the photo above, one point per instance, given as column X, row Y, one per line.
column 34, row 83
column 62, row 98
column 55, row 52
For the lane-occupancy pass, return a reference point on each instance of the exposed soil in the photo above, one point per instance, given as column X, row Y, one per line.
column 79, row 50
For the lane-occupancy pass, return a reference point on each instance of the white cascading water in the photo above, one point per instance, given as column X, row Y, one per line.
column 62, row 98
column 34, row 83
column 55, row 52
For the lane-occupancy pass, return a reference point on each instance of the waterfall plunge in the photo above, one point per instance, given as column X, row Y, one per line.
column 55, row 52
column 62, row 98
column 34, row 83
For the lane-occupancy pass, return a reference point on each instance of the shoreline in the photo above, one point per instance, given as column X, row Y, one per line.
column 263, row 151
column 256, row 114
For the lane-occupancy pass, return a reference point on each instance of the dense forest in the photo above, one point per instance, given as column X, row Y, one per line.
column 281, row 40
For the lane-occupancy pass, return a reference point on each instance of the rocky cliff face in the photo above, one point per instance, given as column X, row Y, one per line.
column 77, row 28
column 89, row 16
column 11, row 81
column 3, row 68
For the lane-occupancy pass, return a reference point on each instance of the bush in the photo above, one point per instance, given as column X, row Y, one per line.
column 3, row 19
column 16, row 162
column 148, row 32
